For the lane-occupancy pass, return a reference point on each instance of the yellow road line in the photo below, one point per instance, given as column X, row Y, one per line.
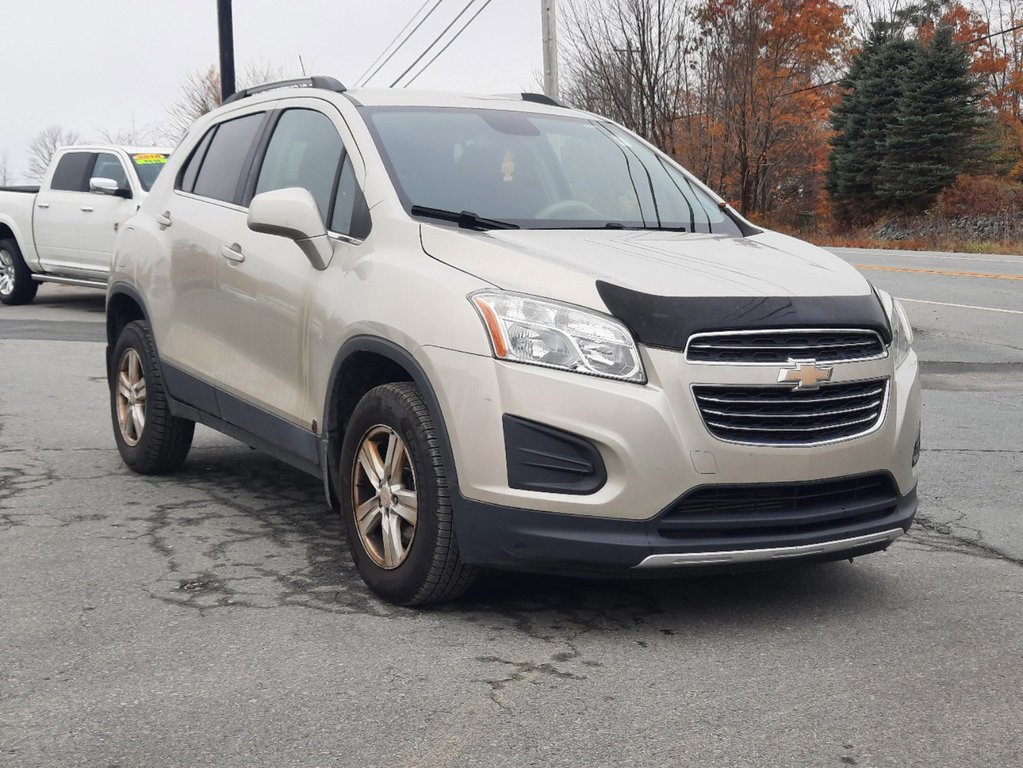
column 945, row 272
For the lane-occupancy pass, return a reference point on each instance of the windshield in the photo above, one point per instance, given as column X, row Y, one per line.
column 538, row 171
column 148, row 167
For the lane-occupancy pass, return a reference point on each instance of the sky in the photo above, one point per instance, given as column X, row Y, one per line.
column 110, row 65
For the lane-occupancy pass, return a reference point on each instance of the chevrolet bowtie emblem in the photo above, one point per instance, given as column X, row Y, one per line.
column 807, row 373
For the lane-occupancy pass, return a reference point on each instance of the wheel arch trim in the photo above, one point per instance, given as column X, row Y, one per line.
column 397, row 354
column 123, row 289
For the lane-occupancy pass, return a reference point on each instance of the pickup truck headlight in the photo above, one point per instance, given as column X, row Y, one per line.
column 902, row 331
column 525, row 329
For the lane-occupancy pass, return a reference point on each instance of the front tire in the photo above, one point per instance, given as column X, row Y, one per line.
column 16, row 283
column 395, row 500
column 150, row 440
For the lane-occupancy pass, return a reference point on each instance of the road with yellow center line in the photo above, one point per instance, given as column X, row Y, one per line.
column 943, row 272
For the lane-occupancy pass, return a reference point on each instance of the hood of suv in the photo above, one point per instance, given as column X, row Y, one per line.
column 566, row 264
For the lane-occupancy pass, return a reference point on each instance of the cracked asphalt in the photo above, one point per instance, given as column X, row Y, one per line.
column 213, row 617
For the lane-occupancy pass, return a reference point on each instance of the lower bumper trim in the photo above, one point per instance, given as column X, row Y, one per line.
column 767, row 555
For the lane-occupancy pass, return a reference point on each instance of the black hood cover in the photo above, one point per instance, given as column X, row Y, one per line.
column 669, row 321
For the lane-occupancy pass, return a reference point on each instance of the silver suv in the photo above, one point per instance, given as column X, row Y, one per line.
column 508, row 334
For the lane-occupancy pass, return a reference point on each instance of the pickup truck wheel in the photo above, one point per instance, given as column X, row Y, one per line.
column 149, row 438
column 395, row 500
column 16, row 283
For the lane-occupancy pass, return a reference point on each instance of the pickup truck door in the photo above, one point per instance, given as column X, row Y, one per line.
column 57, row 215
column 99, row 215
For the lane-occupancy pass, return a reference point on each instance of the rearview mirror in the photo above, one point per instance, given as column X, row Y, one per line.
column 292, row 213
column 104, row 186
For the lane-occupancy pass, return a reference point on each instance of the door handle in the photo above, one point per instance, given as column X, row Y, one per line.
column 42, row 205
column 86, row 208
column 232, row 252
column 164, row 219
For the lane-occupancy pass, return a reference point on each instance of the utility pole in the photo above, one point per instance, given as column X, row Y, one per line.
column 225, row 25
column 550, row 47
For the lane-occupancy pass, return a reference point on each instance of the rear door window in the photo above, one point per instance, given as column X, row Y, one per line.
column 187, row 178
column 224, row 163
column 72, row 172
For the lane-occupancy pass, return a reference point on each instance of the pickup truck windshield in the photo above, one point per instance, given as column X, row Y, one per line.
column 148, row 167
column 538, row 171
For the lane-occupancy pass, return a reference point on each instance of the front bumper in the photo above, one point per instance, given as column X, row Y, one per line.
column 656, row 449
column 526, row 540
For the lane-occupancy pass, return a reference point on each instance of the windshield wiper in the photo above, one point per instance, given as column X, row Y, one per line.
column 630, row 227
column 464, row 219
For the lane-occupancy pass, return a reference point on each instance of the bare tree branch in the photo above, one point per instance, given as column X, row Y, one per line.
column 42, row 148
column 200, row 93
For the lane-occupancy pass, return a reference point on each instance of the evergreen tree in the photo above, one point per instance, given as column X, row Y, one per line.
column 934, row 134
column 874, row 88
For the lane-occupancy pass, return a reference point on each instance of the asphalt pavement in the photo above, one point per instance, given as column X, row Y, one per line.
column 213, row 617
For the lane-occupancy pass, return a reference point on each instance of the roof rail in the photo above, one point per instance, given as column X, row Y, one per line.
column 326, row 83
column 541, row 98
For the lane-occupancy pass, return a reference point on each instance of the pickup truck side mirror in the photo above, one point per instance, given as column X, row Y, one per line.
column 104, row 186
column 292, row 213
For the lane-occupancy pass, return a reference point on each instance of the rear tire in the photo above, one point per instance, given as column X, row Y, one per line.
column 150, row 440
column 396, row 503
column 16, row 283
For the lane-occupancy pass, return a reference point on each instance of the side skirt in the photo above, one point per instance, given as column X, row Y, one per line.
column 194, row 399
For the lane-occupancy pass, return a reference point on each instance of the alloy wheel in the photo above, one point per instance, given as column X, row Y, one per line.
column 6, row 273
column 385, row 499
column 131, row 397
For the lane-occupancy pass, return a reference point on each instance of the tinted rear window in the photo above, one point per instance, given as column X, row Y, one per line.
column 225, row 160
column 187, row 178
column 72, row 172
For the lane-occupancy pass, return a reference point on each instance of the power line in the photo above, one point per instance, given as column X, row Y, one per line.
column 448, row 44
column 402, row 43
column 437, row 39
column 388, row 46
column 996, row 34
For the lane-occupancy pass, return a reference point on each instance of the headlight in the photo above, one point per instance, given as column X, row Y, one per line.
column 544, row 332
column 902, row 331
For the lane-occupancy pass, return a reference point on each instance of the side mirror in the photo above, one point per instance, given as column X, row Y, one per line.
column 292, row 213
column 104, row 186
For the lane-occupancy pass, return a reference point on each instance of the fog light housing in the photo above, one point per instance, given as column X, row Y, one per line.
column 916, row 447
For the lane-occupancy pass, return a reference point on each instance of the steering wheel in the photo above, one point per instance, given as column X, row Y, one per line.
column 567, row 209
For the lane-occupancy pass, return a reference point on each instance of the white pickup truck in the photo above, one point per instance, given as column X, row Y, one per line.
column 63, row 231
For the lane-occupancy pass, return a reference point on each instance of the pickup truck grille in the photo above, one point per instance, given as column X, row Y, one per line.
column 782, row 346
column 781, row 415
column 720, row 516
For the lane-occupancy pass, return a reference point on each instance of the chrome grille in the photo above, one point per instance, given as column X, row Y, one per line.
column 781, row 415
column 824, row 346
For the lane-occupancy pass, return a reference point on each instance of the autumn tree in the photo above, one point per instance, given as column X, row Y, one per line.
column 992, row 32
column 761, row 67
column 42, row 148
column 730, row 87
